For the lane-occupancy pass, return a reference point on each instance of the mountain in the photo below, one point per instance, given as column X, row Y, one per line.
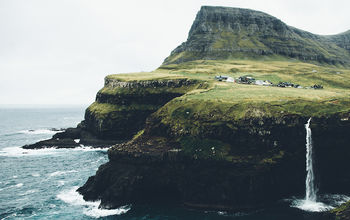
column 180, row 136
column 223, row 33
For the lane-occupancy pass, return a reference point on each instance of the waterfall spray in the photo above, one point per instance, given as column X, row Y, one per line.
column 310, row 180
column 310, row 202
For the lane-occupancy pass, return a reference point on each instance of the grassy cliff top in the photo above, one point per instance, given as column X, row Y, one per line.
column 143, row 76
column 333, row 98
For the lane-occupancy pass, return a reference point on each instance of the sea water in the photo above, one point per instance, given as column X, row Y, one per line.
column 41, row 184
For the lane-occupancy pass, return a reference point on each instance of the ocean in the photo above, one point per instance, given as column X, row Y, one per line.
column 41, row 184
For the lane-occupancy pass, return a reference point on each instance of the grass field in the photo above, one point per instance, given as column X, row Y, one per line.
column 335, row 97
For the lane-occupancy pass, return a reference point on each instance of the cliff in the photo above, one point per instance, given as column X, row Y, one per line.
column 224, row 146
column 121, row 102
column 120, row 110
column 225, row 33
column 232, row 146
column 182, row 136
column 227, row 165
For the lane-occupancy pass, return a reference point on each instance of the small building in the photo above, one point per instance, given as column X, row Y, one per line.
column 317, row 86
column 246, row 79
column 230, row 79
column 285, row 84
column 221, row 78
column 263, row 82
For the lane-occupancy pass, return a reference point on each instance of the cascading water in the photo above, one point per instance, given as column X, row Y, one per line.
column 310, row 180
column 310, row 202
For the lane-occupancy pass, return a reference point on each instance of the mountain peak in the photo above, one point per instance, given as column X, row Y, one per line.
column 224, row 33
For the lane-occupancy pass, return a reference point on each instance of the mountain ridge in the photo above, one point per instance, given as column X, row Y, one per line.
column 224, row 33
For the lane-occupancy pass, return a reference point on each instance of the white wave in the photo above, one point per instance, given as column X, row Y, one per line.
column 40, row 131
column 327, row 202
column 59, row 173
column 89, row 208
column 86, row 148
column 28, row 192
column 20, row 152
column 9, row 187
column 60, row 183
column 35, row 174
column 77, row 140
column 19, row 185
column 14, row 177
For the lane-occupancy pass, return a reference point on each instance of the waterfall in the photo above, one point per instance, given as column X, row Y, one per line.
column 310, row 202
column 310, row 180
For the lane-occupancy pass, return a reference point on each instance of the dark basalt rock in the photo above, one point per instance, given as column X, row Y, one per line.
column 66, row 139
column 57, row 143
column 131, row 103
column 156, row 168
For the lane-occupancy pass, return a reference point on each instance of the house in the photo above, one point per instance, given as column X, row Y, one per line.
column 316, row 86
column 263, row 83
column 221, row 78
column 230, row 79
column 246, row 79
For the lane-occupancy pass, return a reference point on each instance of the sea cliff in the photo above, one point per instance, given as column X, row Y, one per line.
column 181, row 134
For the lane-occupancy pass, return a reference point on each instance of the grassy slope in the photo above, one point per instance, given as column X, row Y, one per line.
column 222, row 102
column 333, row 98
column 130, row 77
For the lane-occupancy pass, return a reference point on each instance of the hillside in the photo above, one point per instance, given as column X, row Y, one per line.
column 183, row 136
column 226, row 33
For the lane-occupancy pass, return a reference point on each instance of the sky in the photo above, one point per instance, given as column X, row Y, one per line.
column 57, row 52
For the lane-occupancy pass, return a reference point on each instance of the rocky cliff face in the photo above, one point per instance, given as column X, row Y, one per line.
column 342, row 40
column 208, row 152
column 257, row 161
column 119, row 112
column 222, row 33
column 121, row 108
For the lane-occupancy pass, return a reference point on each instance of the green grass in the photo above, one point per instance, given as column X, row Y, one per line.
column 143, row 76
column 204, row 148
column 211, row 104
column 238, row 101
column 340, row 210
column 102, row 110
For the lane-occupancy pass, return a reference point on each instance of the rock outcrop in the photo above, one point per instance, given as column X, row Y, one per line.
column 249, row 164
column 340, row 213
column 121, row 108
column 119, row 112
column 223, row 33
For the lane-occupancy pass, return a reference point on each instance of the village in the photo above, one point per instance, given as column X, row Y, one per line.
column 252, row 81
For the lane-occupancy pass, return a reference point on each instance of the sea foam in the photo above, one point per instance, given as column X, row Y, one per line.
column 327, row 202
column 20, row 152
column 40, row 131
column 60, row 173
column 91, row 209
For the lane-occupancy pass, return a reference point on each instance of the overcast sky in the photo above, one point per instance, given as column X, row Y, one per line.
column 59, row 51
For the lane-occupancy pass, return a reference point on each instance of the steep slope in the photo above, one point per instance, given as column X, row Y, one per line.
column 232, row 146
column 223, row 33
column 212, row 144
column 120, row 109
column 342, row 40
